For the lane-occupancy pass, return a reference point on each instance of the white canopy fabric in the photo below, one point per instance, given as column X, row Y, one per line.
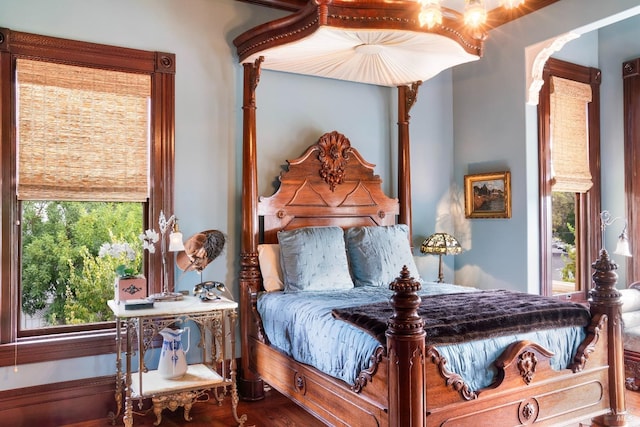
column 378, row 57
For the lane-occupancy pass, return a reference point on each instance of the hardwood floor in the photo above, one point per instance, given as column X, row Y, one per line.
column 274, row 411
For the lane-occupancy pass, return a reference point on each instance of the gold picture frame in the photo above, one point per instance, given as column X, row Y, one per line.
column 487, row 195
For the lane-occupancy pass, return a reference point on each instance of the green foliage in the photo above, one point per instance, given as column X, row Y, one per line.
column 569, row 269
column 126, row 271
column 87, row 292
column 61, row 270
column 563, row 229
column 564, row 216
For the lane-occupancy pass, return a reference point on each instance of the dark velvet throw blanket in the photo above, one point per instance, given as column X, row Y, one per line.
column 467, row 316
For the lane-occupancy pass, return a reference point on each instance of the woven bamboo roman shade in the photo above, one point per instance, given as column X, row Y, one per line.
column 83, row 133
column 569, row 136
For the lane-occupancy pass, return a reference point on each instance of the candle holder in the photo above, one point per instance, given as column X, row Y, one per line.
column 175, row 245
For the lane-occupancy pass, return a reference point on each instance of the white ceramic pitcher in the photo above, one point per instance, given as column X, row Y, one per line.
column 173, row 358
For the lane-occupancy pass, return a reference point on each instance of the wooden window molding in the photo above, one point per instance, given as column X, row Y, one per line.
column 87, row 340
column 588, row 240
column 631, row 97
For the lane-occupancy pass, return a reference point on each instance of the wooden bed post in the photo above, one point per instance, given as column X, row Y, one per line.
column 406, row 347
column 406, row 98
column 250, row 385
column 604, row 298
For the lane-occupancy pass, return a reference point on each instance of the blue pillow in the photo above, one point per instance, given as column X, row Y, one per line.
column 314, row 259
column 377, row 254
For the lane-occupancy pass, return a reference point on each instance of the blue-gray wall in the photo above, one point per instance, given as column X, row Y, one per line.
column 465, row 120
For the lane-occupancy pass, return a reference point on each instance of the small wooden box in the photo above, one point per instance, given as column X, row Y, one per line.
column 131, row 288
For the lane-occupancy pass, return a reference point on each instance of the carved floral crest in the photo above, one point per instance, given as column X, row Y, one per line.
column 527, row 363
column 334, row 155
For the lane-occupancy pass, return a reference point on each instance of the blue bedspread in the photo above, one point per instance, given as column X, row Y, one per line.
column 301, row 325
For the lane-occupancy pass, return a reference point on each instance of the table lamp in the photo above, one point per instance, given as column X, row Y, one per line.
column 440, row 244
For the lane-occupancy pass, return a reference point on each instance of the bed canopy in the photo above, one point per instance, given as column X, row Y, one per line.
column 376, row 42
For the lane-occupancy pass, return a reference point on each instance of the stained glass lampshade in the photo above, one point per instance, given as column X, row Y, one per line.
column 440, row 244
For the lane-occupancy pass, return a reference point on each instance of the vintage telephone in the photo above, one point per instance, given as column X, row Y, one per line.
column 210, row 290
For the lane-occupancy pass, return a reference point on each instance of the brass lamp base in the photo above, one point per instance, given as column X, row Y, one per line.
column 440, row 272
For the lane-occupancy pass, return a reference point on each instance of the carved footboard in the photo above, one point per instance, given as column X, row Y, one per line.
column 527, row 391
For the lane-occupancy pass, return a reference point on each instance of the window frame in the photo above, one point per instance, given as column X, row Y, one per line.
column 588, row 238
column 631, row 110
column 85, row 340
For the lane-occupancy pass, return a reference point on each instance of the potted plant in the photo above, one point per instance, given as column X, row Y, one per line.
column 129, row 282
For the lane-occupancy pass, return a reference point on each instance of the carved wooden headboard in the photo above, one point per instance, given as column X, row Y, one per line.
column 330, row 184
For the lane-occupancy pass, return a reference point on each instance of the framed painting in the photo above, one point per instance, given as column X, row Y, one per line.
column 488, row 195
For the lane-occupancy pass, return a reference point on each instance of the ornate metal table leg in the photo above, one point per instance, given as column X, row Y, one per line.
column 118, row 393
column 232, row 371
column 158, row 406
column 187, row 410
column 127, row 419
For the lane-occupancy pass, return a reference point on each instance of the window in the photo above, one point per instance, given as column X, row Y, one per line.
column 569, row 162
column 132, row 89
column 82, row 142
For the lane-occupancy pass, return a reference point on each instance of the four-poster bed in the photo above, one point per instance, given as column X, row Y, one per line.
column 407, row 380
